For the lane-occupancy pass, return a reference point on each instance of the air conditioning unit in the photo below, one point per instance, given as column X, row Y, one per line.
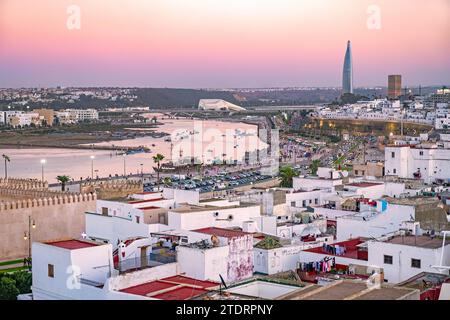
column 216, row 214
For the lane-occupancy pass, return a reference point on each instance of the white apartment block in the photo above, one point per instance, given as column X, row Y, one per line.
column 404, row 256
column 83, row 114
column 429, row 163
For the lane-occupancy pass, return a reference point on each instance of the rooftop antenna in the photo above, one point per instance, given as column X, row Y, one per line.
column 222, row 283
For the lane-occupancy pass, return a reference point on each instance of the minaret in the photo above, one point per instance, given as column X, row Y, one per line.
column 347, row 74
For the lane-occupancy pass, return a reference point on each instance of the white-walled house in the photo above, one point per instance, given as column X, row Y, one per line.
column 326, row 178
column 404, row 256
column 283, row 258
column 83, row 270
column 377, row 221
column 191, row 217
column 428, row 162
column 230, row 257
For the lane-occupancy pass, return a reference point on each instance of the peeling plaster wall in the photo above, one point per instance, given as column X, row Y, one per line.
column 240, row 259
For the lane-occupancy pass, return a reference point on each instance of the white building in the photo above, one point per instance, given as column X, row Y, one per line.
column 135, row 216
column 326, row 178
column 284, row 258
column 403, row 257
column 373, row 221
column 82, row 114
column 229, row 254
column 218, row 105
column 82, row 270
column 423, row 161
column 191, row 217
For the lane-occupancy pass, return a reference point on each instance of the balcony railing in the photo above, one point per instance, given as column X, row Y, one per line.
column 139, row 263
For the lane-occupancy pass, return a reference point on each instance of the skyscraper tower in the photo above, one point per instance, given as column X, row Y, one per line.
column 347, row 74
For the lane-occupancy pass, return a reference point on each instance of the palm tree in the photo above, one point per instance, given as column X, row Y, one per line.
column 286, row 174
column 157, row 159
column 63, row 180
column 339, row 163
column 7, row 159
column 315, row 164
column 167, row 181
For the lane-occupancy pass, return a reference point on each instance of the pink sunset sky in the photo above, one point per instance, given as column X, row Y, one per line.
column 222, row 43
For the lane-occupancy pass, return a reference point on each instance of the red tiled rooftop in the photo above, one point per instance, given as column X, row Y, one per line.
column 182, row 293
column 172, row 288
column 143, row 201
column 220, row 232
column 352, row 251
column 191, row 281
column 150, row 208
column 149, row 287
column 72, row 244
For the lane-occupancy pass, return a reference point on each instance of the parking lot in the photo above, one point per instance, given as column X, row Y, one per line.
column 220, row 181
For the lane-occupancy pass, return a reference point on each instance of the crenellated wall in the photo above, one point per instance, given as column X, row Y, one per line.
column 57, row 215
column 113, row 189
column 25, row 184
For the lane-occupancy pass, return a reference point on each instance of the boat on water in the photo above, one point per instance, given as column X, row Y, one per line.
column 136, row 151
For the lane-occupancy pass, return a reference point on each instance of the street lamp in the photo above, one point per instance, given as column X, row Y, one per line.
column 27, row 236
column 92, row 166
column 43, row 162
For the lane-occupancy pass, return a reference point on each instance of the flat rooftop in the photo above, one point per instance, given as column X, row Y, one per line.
column 189, row 208
column 352, row 249
column 350, row 290
column 412, row 201
column 363, row 184
column 72, row 244
column 172, row 288
column 419, row 241
column 222, row 232
column 424, row 281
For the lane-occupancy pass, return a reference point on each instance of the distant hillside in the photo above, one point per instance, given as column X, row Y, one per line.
column 179, row 97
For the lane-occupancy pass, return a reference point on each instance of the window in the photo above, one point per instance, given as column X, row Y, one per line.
column 104, row 211
column 356, row 172
column 421, row 153
column 395, row 171
column 51, row 271
column 292, row 203
column 138, row 219
column 393, row 154
column 415, row 263
column 387, row 259
column 304, row 203
column 316, row 201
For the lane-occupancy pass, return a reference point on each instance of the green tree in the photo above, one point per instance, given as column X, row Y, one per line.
column 287, row 173
column 315, row 164
column 157, row 159
column 63, row 180
column 339, row 162
column 23, row 281
column 167, row 181
column 8, row 290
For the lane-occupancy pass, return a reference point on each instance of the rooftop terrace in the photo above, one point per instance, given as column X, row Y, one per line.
column 72, row 244
column 419, row 241
column 172, row 288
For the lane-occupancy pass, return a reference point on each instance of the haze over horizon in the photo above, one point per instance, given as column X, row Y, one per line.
column 222, row 44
